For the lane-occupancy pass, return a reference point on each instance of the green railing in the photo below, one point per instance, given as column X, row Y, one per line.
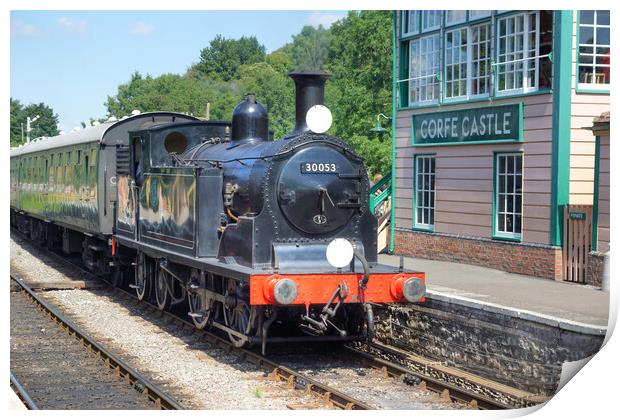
column 385, row 188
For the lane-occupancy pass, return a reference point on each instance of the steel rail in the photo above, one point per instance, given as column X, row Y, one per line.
column 276, row 371
column 154, row 393
column 22, row 393
column 447, row 390
column 299, row 381
column 294, row 379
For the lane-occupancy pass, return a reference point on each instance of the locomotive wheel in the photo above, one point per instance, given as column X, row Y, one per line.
column 238, row 315
column 198, row 302
column 162, row 296
column 143, row 274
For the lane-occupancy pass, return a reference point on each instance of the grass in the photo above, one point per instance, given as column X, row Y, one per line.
column 258, row 393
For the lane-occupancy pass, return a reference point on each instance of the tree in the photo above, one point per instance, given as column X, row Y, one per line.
column 168, row 92
column 16, row 129
column 274, row 90
column 310, row 48
column 360, row 61
column 223, row 57
column 45, row 126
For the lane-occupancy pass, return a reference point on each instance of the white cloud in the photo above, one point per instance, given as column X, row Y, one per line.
column 141, row 28
column 320, row 18
column 19, row 28
column 75, row 26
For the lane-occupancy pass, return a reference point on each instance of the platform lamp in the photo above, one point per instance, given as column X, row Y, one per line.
column 378, row 128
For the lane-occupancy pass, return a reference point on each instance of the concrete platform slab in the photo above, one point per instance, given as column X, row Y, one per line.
column 575, row 303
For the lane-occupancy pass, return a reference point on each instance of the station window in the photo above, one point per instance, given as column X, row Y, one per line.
column 431, row 20
column 455, row 16
column 523, row 62
column 479, row 14
column 411, row 22
column 467, row 62
column 423, row 70
column 594, row 52
column 508, row 195
column 456, row 63
column 424, row 194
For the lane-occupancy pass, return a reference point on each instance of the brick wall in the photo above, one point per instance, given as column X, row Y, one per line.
column 529, row 259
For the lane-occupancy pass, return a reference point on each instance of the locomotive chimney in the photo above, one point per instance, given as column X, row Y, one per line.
column 309, row 91
column 249, row 121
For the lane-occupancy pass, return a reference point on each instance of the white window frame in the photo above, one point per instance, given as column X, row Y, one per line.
column 470, row 65
column 526, row 50
column 424, row 14
column 446, row 13
column 497, row 179
column 430, row 204
column 453, row 64
column 415, row 14
column 416, row 78
column 593, row 86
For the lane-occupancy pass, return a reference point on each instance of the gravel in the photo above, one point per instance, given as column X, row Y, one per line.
column 209, row 378
column 198, row 376
column 41, row 269
column 366, row 384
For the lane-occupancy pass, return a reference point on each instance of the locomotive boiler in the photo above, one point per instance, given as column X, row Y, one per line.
column 267, row 241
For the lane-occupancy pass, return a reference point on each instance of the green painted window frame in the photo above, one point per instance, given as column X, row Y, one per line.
column 402, row 43
column 414, row 224
column 503, row 236
column 605, row 88
column 597, row 167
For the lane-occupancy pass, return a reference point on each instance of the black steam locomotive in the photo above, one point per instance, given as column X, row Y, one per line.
column 266, row 240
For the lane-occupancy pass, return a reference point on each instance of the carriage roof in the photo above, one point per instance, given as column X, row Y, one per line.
column 106, row 132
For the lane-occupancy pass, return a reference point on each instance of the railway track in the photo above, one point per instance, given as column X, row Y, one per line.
column 449, row 391
column 22, row 394
column 55, row 365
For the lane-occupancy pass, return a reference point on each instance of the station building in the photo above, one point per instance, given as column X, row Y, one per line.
column 492, row 164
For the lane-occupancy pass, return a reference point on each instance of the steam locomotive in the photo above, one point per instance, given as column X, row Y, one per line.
column 267, row 241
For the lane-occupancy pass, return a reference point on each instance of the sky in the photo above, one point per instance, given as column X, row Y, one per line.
column 73, row 60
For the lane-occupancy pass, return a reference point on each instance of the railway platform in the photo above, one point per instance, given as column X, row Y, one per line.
column 569, row 302
column 510, row 328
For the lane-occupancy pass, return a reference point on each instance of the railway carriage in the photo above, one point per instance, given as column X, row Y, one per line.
column 265, row 240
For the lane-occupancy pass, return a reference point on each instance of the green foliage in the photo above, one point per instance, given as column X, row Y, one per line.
column 223, row 57
column 168, row 92
column 360, row 61
column 16, row 133
column 273, row 89
column 45, row 126
column 357, row 51
column 310, row 48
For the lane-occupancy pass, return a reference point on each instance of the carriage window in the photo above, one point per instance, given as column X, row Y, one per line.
column 175, row 142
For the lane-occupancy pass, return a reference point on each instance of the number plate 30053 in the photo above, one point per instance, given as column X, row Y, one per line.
column 319, row 168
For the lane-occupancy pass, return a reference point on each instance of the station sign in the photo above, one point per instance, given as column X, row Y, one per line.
column 577, row 215
column 500, row 123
